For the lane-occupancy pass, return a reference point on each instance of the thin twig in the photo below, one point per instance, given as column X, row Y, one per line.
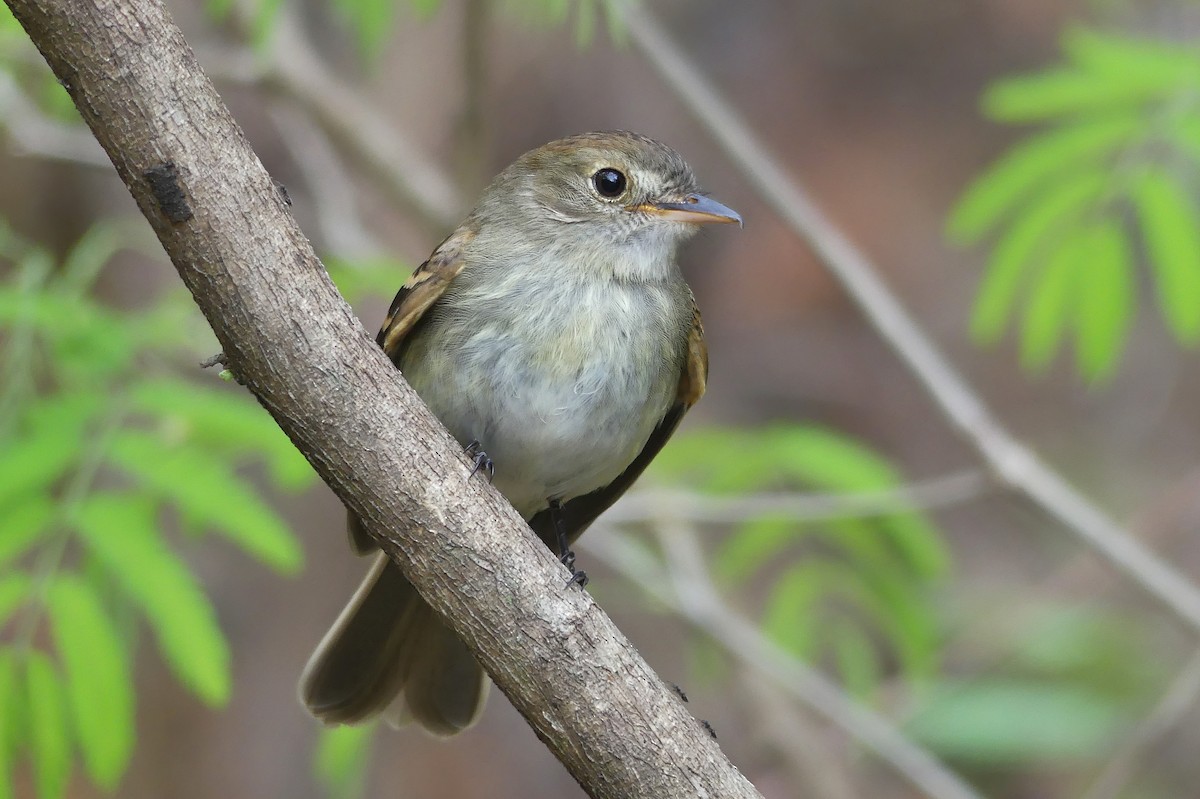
column 333, row 196
column 288, row 334
column 472, row 125
column 1180, row 696
column 795, row 738
column 1011, row 460
column 695, row 599
column 33, row 133
column 381, row 150
column 939, row 492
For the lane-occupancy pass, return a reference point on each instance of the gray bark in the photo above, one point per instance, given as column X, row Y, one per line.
column 295, row 344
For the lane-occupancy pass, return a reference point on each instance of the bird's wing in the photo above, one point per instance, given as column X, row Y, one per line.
column 581, row 511
column 422, row 289
column 418, row 294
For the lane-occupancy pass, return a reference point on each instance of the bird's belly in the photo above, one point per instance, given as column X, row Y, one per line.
column 558, row 419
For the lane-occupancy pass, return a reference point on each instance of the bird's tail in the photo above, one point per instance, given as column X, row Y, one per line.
column 388, row 651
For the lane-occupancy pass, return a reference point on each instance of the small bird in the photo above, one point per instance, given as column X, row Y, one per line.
column 554, row 336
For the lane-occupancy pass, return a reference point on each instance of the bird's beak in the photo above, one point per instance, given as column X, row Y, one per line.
column 695, row 208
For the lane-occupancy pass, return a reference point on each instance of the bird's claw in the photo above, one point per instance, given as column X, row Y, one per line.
column 567, row 557
column 481, row 460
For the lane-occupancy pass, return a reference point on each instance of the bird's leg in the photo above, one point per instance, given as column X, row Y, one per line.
column 481, row 460
column 565, row 555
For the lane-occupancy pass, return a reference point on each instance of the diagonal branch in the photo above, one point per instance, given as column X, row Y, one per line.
column 1012, row 461
column 296, row 345
column 686, row 588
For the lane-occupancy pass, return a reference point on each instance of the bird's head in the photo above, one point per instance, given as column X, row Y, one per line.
column 615, row 195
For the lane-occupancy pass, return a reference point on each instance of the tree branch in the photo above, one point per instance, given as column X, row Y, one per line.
column 1013, row 462
column 687, row 589
column 294, row 343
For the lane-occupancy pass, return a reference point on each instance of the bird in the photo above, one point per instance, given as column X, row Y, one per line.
column 555, row 337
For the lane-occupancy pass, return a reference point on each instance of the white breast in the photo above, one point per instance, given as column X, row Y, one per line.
column 563, row 392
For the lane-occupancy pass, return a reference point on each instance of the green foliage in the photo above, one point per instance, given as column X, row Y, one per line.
column 371, row 22
column 855, row 591
column 121, row 532
column 341, row 761
column 103, row 448
column 559, row 12
column 1068, row 668
column 1074, row 208
column 987, row 721
column 49, row 739
column 12, row 722
column 99, row 685
column 38, row 84
column 366, row 277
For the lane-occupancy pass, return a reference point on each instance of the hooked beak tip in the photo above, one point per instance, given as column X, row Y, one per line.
column 698, row 210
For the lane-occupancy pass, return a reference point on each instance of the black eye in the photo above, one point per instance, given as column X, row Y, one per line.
column 609, row 182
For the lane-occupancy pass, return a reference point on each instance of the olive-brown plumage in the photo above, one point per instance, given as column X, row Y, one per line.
column 554, row 332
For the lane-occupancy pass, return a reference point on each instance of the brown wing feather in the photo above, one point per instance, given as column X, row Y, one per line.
column 422, row 289
column 580, row 512
column 420, row 292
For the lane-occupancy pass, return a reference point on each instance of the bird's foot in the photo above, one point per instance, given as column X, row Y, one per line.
column 565, row 556
column 578, row 577
column 481, row 460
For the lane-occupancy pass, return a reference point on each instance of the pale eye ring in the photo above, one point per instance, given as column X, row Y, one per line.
column 609, row 182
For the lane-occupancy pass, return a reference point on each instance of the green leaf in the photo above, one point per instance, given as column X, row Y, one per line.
column 32, row 463
column 92, row 344
column 49, row 739
column 585, row 22
column 370, row 21
column 1170, row 224
column 753, row 545
column 99, row 685
column 857, row 661
column 218, row 10
column 67, row 412
column 263, row 23
column 827, row 459
column 1063, row 92
column 121, row 532
column 1005, row 722
column 15, row 588
column 227, row 419
column 1052, row 298
column 341, row 759
column 1183, row 133
column 425, row 8
column 8, row 23
column 614, row 18
column 1032, row 163
column 718, row 460
column 22, row 524
column 208, row 492
column 1106, row 300
column 1118, row 56
column 789, row 617
column 12, row 725
column 1054, row 209
column 903, row 614
column 92, row 341
column 360, row 278
column 90, row 253
column 919, row 544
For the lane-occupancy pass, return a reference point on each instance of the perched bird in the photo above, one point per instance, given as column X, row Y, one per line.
column 555, row 337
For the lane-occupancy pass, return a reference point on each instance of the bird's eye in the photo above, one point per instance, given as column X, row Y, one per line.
column 609, row 182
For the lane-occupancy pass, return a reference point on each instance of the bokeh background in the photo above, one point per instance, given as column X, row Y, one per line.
column 874, row 107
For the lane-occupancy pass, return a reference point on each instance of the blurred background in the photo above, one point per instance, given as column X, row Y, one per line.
column 985, row 631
